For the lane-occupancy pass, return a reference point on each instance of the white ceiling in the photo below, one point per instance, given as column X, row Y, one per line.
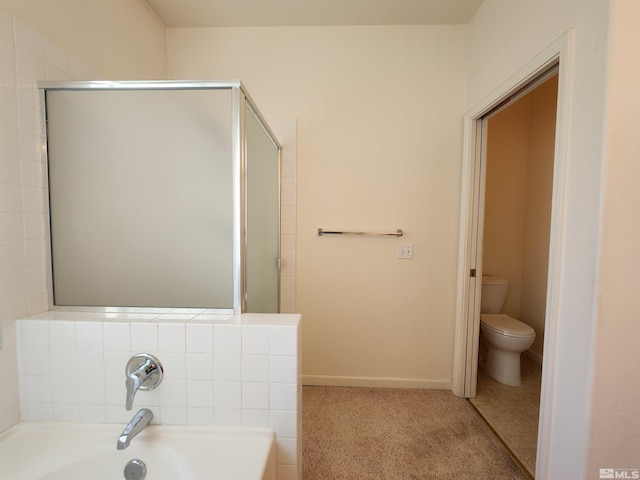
column 245, row 13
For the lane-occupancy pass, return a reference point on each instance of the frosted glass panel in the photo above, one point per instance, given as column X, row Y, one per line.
column 263, row 219
column 141, row 197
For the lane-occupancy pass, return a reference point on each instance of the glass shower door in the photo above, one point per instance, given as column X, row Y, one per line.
column 263, row 218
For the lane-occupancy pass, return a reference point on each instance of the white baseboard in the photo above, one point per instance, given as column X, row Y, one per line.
column 376, row 382
column 535, row 356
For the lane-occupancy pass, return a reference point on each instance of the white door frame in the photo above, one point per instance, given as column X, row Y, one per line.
column 470, row 240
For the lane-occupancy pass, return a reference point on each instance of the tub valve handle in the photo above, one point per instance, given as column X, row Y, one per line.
column 144, row 372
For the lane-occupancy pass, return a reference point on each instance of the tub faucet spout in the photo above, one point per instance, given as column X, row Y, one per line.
column 138, row 423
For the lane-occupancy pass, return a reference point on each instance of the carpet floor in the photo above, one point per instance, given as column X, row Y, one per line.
column 397, row 434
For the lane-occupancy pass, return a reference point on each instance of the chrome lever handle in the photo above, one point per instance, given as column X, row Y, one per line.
column 144, row 372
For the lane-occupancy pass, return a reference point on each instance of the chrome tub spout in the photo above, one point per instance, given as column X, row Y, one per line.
column 138, row 423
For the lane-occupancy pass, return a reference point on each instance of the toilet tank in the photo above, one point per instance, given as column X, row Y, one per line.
column 494, row 291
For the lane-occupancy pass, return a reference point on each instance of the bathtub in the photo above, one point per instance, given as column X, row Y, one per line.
column 72, row 451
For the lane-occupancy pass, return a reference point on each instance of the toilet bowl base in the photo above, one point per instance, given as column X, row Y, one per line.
column 504, row 367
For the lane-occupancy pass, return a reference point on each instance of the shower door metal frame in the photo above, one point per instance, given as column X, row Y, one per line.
column 240, row 99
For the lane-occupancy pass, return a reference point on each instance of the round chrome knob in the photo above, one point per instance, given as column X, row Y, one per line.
column 135, row 470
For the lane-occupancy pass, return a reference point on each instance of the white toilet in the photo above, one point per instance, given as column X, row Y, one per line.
column 506, row 338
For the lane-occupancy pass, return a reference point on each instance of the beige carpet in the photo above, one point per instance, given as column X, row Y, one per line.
column 388, row 434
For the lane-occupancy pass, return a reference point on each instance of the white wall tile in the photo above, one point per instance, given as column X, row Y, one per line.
column 227, row 394
column 63, row 363
column 174, row 364
column 220, row 388
column 173, row 415
column 173, row 393
column 199, row 393
column 255, row 395
column 199, row 338
column 117, row 338
column 255, row 418
column 171, row 338
column 117, row 414
column 284, row 369
column 255, row 339
column 286, row 451
column 115, row 363
column 65, row 390
column 34, row 226
column 37, row 389
column 200, row 416
column 228, row 416
column 227, row 338
column 283, row 396
column 199, row 366
column 284, row 422
column 66, row 413
column 255, row 368
column 37, row 302
column 62, row 335
column 36, row 363
column 91, row 391
column 22, row 216
column 90, row 364
column 147, row 398
column 89, row 336
column 35, row 334
column 35, row 253
column 31, row 164
column 227, row 367
column 28, row 67
column 37, row 412
column 10, row 226
column 144, row 337
column 12, row 281
column 8, row 392
column 114, row 391
column 10, row 198
column 283, row 340
column 12, row 254
column 92, row 413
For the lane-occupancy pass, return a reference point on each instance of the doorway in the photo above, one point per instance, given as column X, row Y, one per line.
column 518, row 161
column 465, row 370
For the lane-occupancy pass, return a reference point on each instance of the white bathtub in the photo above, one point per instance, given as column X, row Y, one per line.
column 71, row 451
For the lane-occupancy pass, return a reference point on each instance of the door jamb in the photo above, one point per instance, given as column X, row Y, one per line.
column 468, row 288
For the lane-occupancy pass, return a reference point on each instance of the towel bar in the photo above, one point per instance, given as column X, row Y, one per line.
column 398, row 233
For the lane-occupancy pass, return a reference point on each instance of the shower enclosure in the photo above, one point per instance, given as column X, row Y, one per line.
column 162, row 194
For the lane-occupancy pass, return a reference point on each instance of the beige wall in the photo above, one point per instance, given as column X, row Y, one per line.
column 379, row 113
column 518, row 196
column 615, row 414
column 505, row 199
column 119, row 39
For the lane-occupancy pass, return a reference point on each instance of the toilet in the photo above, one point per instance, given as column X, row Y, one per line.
column 505, row 337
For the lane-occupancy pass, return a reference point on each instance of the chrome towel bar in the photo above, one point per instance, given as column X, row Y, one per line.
column 398, row 233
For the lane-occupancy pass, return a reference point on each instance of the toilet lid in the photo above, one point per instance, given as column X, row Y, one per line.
column 506, row 325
